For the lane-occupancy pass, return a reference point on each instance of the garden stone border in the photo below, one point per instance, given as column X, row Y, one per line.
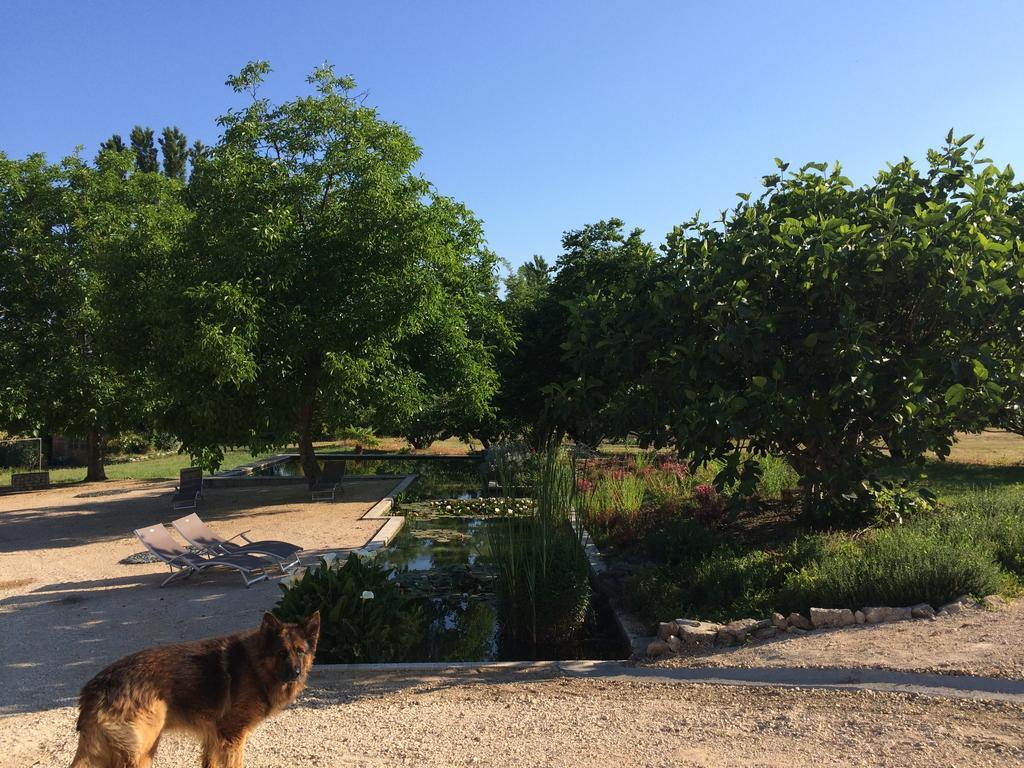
column 683, row 635
column 632, row 629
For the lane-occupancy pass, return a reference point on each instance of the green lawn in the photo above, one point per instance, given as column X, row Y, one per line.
column 952, row 480
column 154, row 468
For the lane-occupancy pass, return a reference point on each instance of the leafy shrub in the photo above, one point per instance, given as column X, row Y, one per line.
column 895, row 502
column 897, row 566
column 19, row 454
column 654, row 594
column 363, row 435
column 164, row 441
column 673, row 539
column 729, row 585
column 365, row 615
column 127, row 442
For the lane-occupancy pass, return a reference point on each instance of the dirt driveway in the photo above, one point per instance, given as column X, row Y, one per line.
column 68, row 606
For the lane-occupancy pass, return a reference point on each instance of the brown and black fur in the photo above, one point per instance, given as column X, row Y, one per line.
column 219, row 689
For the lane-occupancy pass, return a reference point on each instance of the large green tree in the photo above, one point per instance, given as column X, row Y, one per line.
column 846, row 328
column 317, row 278
column 454, row 355
column 544, row 394
column 83, row 257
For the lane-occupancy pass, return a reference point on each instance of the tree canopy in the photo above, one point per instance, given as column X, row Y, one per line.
column 82, row 251
column 174, row 149
column 145, row 151
column 322, row 282
column 846, row 328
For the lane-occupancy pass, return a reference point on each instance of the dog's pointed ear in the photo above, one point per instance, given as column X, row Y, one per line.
column 270, row 624
column 311, row 627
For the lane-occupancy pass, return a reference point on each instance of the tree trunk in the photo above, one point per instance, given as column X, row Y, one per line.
column 95, row 471
column 307, row 455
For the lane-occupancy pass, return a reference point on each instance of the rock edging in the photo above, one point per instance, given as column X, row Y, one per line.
column 684, row 636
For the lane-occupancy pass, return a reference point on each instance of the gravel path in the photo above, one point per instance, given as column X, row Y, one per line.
column 976, row 642
column 69, row 608
column 589, row 722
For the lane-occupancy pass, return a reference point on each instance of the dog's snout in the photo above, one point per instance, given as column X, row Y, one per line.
column 296, row 671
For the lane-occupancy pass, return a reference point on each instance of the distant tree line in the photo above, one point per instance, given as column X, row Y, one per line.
column 175, row 154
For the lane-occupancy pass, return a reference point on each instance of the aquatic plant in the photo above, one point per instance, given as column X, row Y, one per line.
column 499, row 506
column 365, row 614
column 543, row 586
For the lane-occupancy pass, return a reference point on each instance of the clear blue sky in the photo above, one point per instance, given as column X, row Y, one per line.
column 543, row 116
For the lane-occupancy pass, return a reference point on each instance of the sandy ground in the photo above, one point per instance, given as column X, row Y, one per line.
column 591, row 722
column 69, row 608
column 977, row 642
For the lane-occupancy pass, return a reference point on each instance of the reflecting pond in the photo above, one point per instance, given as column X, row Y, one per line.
column 448, row 561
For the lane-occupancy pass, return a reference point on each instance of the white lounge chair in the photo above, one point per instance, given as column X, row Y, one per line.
column 199, row 534
column 158, row 540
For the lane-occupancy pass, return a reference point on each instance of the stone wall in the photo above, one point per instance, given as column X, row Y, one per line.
column 30, row 481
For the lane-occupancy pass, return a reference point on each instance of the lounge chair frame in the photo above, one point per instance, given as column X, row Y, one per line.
column 328, row 485
column 189, row 490
column 196, row 532
column 157, row 539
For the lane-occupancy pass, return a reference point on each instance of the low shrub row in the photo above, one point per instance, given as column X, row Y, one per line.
column 974, row 545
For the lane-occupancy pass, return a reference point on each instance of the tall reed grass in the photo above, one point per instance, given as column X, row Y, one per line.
column 543, row 586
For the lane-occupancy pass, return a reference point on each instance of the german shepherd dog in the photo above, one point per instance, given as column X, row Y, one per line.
column 219, row 689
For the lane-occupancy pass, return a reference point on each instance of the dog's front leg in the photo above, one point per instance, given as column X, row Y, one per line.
column 213, row 756
column 235, row 752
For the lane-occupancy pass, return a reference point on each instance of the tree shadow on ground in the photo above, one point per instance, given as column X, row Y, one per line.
column 59, row 635
column 946, row 477
column 31, row 526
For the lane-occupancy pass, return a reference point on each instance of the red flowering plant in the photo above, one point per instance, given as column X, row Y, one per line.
column 710, row 506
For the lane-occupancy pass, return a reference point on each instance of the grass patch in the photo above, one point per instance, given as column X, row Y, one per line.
column 149, row 468
column 951, row 480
